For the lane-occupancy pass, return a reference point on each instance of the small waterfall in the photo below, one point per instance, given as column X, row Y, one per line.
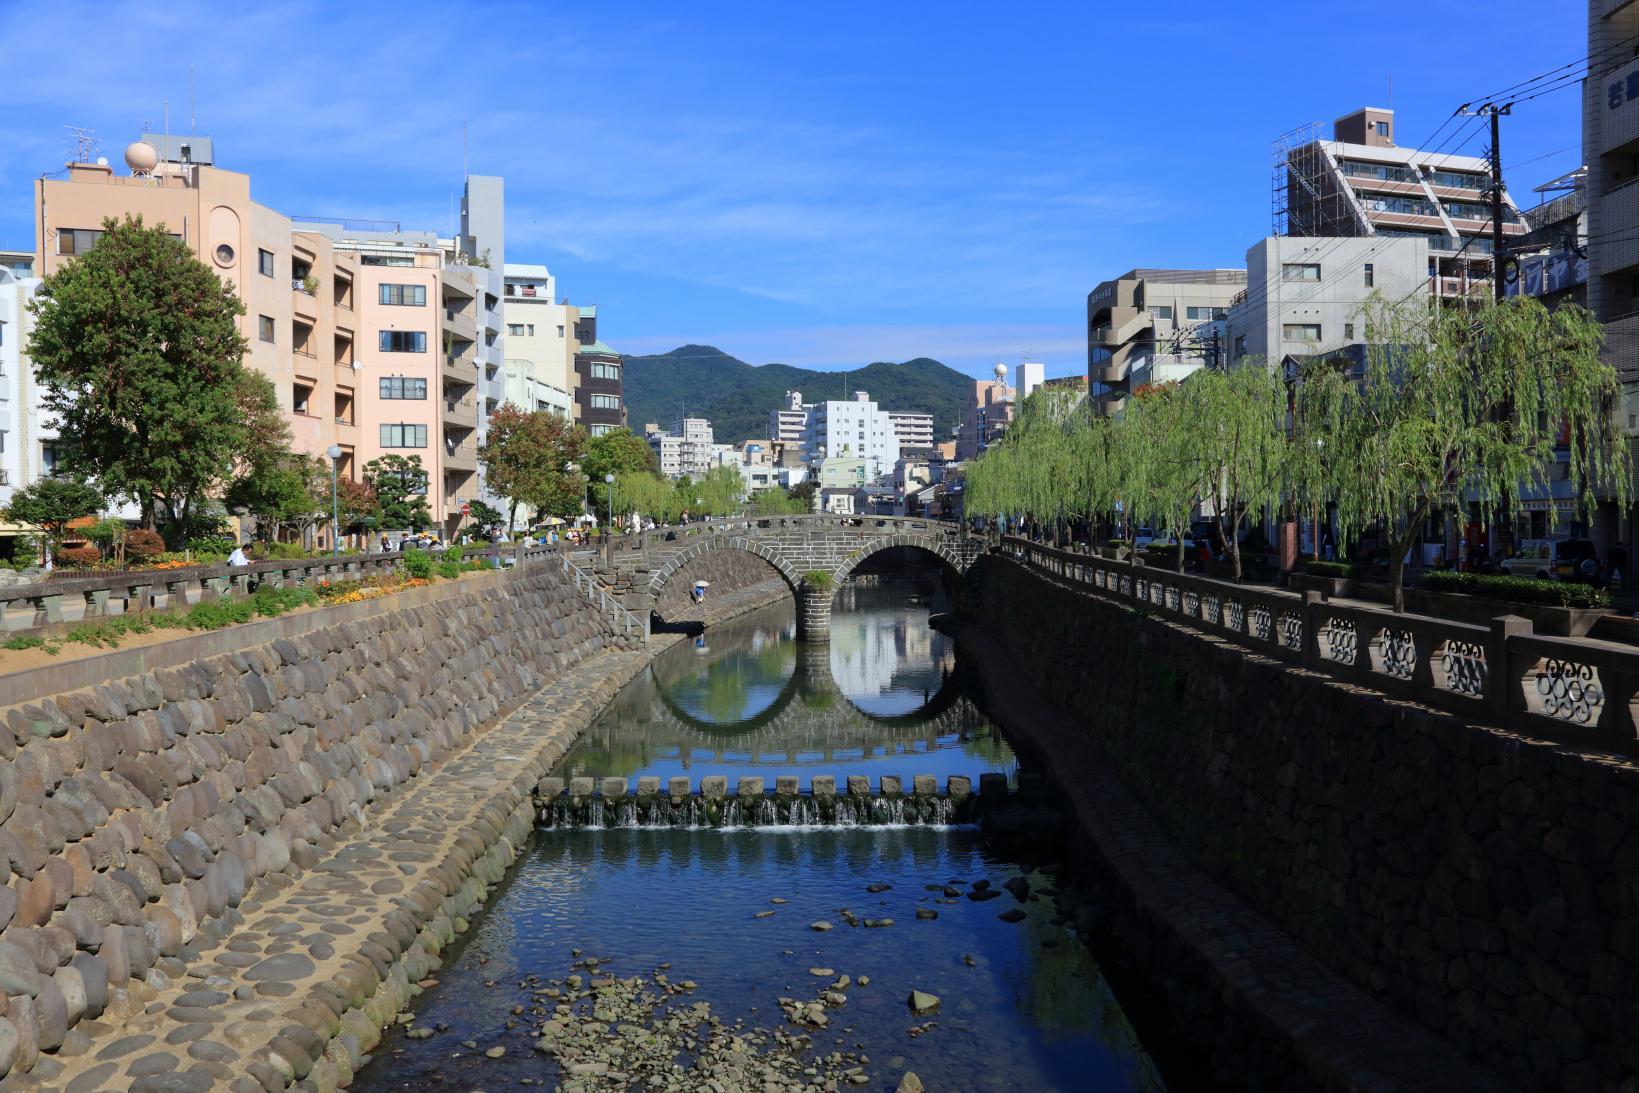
column 767, row 814
column 731, row 812
column 628, row 813
column 765, row 810
column 846, row 816
column 594, row 814
column 803, row 812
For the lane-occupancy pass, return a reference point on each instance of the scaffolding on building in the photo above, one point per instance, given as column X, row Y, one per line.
column 1304, row 197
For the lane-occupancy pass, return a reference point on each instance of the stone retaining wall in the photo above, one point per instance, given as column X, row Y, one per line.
column 137, row 813
column 1484, row 884
column 726, row 570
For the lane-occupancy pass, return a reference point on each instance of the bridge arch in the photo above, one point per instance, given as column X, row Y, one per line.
column 707, row 544
column 953, row 565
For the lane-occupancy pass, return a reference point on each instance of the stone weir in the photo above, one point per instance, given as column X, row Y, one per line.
column 586, row 803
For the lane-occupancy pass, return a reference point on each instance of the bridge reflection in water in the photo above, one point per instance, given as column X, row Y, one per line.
column 880, row 698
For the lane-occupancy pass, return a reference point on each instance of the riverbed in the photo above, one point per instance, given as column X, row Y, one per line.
column 778, row 956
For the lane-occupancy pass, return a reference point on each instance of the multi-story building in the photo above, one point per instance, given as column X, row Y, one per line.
column 1145, row 312
column 686, row 451
column 913, row 430
column 540, row 339
column 1305, row 295
column 1360, row 183
column 481, row 246
column 854, row 427
column 600, row 404
column 1550, row 261
column 298, row 291
column 788, row 424
column 990, row 409
column 16, row 290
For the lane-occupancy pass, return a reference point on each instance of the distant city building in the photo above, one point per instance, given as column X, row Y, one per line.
column 1027, row 377
column 540, row 341
column 788, row 423
column 990, row 410
column 600, row 404
column 1550, row 261
column 1146, row 312
column 911, row 429
column 689, row 450
column 21, row 436
column 856, row 428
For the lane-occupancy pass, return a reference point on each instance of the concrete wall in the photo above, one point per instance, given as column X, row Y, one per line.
column 138, row 810
column 1480, row 883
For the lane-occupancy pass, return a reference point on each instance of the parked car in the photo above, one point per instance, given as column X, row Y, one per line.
column 1556, row 560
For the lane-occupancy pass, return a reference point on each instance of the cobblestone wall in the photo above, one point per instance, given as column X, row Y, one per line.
column 136, row 814
column 1484, row 884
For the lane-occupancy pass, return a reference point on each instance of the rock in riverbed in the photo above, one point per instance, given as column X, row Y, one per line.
column 922, row 1002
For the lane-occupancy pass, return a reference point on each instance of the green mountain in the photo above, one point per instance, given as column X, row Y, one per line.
column 737, row 396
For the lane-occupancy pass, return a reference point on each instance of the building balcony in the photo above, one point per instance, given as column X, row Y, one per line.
column 303, row 304
column 460, row 324
column 461, row 457
column 1114, row 372
column 460, row 367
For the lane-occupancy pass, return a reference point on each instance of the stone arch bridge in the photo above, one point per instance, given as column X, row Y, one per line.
column 638, row 567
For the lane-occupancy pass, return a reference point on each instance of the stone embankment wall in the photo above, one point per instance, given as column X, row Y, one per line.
column 726, row 570
column 137, row 813
column 1484, row 884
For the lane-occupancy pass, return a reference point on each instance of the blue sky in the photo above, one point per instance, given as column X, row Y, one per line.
column 820, row 184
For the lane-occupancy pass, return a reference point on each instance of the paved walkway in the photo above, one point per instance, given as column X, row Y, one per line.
column 1344, row 1038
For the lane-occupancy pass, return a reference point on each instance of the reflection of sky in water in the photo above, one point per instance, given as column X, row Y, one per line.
column 750, row 699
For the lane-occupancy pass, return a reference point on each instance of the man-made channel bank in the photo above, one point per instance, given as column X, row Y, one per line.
column 1476, row 882
column 232, row 857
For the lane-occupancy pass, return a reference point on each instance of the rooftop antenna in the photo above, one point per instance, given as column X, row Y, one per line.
column 466, row 170
column 83, row 142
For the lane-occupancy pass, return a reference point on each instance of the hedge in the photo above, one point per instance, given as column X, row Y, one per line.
column 1333, row 569
column 1518, row 589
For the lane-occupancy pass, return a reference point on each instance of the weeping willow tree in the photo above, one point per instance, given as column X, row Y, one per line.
column 1233, row 425
column 1461, row 408
column 1026, row 474
column 1156, row 466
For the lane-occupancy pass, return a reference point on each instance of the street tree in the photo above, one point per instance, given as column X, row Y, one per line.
column 51, row 504
column 400, row 485
column 485, row 517
column 358, row 505
column 619, row 451
column 137, row 350
column 1461, row 410
column 527, row 459
column 291, row 493
column 1233, row 424
column 1160, row 462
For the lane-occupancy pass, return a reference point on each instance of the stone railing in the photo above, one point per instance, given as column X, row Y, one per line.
column 1572, row 690
column 818, row 522
column 92, row 598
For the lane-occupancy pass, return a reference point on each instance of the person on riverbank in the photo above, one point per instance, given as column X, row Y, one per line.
column 240, row 555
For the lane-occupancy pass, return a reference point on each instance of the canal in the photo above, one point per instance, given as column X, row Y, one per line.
column 780, row 956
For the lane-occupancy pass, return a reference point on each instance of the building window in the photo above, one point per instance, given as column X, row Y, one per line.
column 1382, row 128
column 1370, row 275
column 1348, row 330
column 605, row 402
column 1162, row 311
column 76, row 240
column 1240, row 345
column 1300, row 271
column 529, row 328
column 403, row 436
column 599, row 430
column 404, row 295
column 402, row 387
column 403, row 341
column 49, row 458
column 264, row 262
column 514, row 330
column 601, row 371
column 1200, row 314
column 560, row 330
column 1301, row 332
column 264, row 327
column 511, row 289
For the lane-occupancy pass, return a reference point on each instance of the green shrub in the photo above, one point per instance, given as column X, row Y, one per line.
column 23, row 641
column 269, row 601
column 448, row 570
column 284, row 552
column 817, row 579
column 143, row 545
column 86, row 555
column 1333, row 569
column 418, row 563
column 211, row 545
column 1518, row 589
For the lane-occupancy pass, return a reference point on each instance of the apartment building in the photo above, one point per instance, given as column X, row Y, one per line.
column 1610, row 145
column 17, row 288
column 600, row 404
column 540, row 338
column 1146, row 312
column 1306, row 295
column 1360, row 184
column 299, row 292
column 688, row 450
column 1550, row 261
column 990, row 410
column 855, row 428
column 911, row 429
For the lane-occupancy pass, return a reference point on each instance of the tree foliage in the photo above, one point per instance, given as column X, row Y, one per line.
column 138, row 353
column 619, row 451
column 400, row 486
column 291, row 493
column 51, row 504
column 527, row 459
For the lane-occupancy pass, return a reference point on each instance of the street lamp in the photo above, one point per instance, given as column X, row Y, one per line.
column 609, row 533
column 334, row 452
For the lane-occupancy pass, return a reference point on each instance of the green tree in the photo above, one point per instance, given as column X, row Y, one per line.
column 619, row 451
column 291, row 493
column 400, row 485
column 1460, row 408
column 775, row 502
column 50, row 504
column 138, row 354
column 527, row 459
column 1159, row 460
column 358, row 505
column 721, row 489
column 485, row 518
column 804, row 493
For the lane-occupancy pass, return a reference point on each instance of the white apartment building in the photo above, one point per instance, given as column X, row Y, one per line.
column 855, row 428
column 1306, row 295
column 689, row 450
column 913, row 430
column 541, row 343
column 1029, row 376
column 788, row 424
column 15, row 394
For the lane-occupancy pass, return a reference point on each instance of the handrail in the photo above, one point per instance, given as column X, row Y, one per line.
column 1571, row 690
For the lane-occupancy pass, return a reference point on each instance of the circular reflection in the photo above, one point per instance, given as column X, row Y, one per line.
column 884, row 657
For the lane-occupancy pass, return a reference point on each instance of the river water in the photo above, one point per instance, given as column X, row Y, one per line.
column 1021, row 1001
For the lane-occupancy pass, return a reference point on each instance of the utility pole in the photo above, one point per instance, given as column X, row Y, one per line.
column 1498, row 247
